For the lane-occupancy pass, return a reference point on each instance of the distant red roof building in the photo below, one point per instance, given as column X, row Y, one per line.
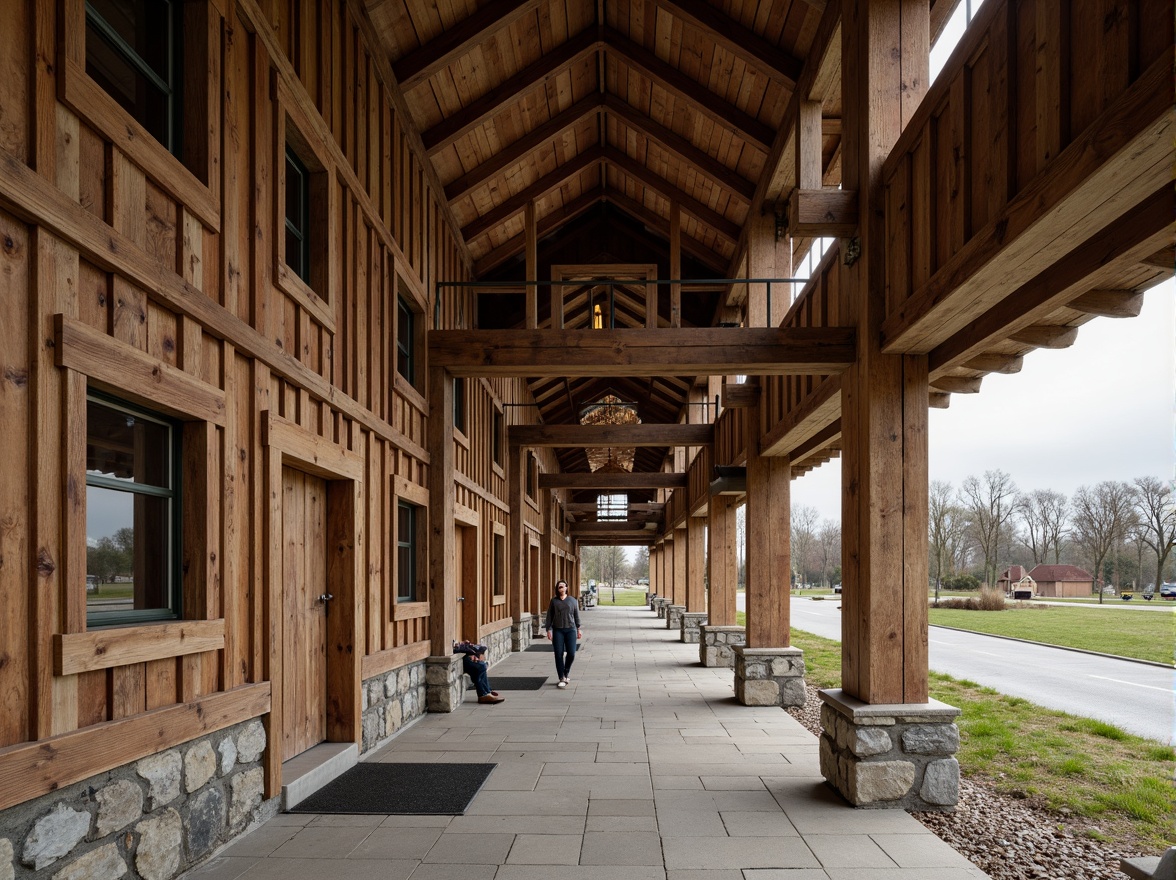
column 1062, row 580
column 1012, row 574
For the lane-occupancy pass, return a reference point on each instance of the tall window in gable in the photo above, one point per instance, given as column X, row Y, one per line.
column 132, row 513
column 133, row 50
column 405, row 341
column 297, row 215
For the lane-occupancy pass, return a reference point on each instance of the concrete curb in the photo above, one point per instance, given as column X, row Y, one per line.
column 1052, row 645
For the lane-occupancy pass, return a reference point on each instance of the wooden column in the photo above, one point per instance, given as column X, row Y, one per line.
column 516, row 540
column 532, row 244
column 722, row 561
column 766, row 258
column 675, row 266
column 680, row 573
column 442, row 540
column 695, row 563
column 769, row 550
column 884, row 397
column 546, row 574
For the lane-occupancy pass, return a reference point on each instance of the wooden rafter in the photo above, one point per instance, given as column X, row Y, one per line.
column 612, row 480
column 518, row 150
column 644, row 176
column 456, row 125
column 611, row 435
column 655, row 221
column 545, row 226
column 419, row 65
column 694, row 352
column 683, row 88
column 707, row 166
column 736, row 39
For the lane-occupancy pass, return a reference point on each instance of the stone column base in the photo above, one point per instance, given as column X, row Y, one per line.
column 659, row 605
column 520, row 632
column 691, row 621
column 890, row 755
column 444, row 683
column 536, row 626
column 769, row 676
column 674, row 616
column 716, row 644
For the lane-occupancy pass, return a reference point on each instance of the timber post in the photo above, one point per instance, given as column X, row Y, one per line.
column 720, row 633
column 695, row 614
column 883, row 705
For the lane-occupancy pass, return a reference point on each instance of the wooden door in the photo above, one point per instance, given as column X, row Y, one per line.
column 458, row 592
column 304, row 618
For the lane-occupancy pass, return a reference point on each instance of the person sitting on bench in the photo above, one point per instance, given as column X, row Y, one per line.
column 474, row 663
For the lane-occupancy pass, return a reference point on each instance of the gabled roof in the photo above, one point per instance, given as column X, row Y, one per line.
column 1013, row 573
column 1059, row 573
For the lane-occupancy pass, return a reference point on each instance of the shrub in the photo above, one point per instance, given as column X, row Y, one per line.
column 991, row 599
column 961, row 582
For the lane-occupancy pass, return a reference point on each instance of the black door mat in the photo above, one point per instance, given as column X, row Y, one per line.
column 515, row 682
column 399, row 789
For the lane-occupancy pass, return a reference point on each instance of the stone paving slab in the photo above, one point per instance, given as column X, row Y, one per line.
column 646, row 768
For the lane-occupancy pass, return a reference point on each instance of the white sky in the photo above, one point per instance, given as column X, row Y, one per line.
column 1099, row 410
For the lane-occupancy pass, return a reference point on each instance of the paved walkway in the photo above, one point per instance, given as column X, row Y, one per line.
column 644, row 768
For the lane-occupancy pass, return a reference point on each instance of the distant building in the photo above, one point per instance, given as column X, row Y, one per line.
column 1011, row 575
column 1058, row 581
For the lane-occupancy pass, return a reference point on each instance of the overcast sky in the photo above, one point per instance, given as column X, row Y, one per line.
column 1099, row 410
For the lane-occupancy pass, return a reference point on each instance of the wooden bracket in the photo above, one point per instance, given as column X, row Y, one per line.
column 823, row 212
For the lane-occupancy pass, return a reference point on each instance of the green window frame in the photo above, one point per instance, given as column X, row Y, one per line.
column 407, row 547
column 405, row 341
column 133, row 477
column 297, row 215
column 137, row 59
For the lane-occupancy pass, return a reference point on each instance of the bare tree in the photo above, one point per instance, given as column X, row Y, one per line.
column 1043, row 513
column 1101, row 517
column 1156, row 511
column 988, row 506
column 829, row 548
column 804, row 536
column 639, row 567
column 945, row 527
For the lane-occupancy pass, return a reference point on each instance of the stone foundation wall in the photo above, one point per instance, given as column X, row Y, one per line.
column 674, row 617
column 522, row 632
column 716, row 644
column 499, row 644
column 148, row 820
column 390, row 701
column 691, row 621
column 445, row 683
column 769, row 676
column 890, row 756
column 659, row 605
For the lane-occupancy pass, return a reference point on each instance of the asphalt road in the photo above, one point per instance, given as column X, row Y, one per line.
column 1137, row 697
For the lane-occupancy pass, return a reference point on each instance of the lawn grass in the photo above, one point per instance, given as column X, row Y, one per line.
column 1118, row 782
column 624, row 597
column 1111, row 631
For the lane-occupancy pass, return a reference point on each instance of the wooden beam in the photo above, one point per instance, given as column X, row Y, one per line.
column 690, row 352
column 617, row 481
column 675, row 268
column 619, row 527
column 938, row 400
column 611, row 435
column 423, row 62
column 124, row 645
column 958, row 384
column 741, row 395
column 643, row 175
column 744, row 44
column 1109, row 303
column 696, row 95
column 517, row 151
column 532, row 266
column 537, row 190
column 1046, row 336
column 659, row 224
column 828, row 211
column 546, row 225
column 995, row 363
column 457, row 125
column 653, row 508
column 707, row 166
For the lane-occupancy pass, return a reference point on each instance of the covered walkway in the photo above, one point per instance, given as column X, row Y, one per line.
column 645, row 767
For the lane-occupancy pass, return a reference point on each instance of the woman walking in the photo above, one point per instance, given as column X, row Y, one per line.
column 563, row 628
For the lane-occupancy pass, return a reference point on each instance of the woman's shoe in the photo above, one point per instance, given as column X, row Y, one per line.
column 562, row 684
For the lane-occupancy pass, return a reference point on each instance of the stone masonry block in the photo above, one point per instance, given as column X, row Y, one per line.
column 758, row 692
column 941, row 782
column 871, row 782
column 866, row 741
column 54, row 835
column 158, row 854
column 119, row 804
column 103, row 863
column 931, row 739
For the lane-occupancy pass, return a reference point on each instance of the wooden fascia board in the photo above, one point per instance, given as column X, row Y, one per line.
column 517, row 151
column 534, row 192
column 690, row 245
column 457, row 125
column 1120, row 160
column 546, row 224
column 423, row 62
column 611, row 435
column 746, row 127
column 816, row 444
column 813, row 414
column 618, row 481
column 708, row 167
column 1120, row 243
column 643, row 175
column 624, row 353
column 738, row 40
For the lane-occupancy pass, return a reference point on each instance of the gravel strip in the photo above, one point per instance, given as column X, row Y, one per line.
column 1008, row 838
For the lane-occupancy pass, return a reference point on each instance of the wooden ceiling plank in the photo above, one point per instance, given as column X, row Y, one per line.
column 611, row 435
column 518, row 150
column 684, row 88
column 744, row 44
column 699, row 351
column 702, row 162
column 613, row 480
column 456, row 125
column 418, row 66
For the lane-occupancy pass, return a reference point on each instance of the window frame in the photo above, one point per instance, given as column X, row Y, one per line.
column 406, row 349
column 414, row 555
column 498, row 564
column 460, row 421
column 173, row 608
column 299, row 227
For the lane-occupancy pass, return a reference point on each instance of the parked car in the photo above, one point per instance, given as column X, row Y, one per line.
column 1168, row 591
column 91, row 583
column 837, row 588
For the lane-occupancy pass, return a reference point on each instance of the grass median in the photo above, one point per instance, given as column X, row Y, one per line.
column 1110, row 631
column 1120, row 784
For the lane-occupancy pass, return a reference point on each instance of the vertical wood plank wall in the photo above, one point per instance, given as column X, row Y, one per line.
column 178, row 267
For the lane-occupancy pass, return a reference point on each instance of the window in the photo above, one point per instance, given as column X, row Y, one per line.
column 496, row 438
column 405, row 341
column 407, row 552
column 612, row 507
column 132, row 513
column 498, row 572
column 133, row 53
column 459, row 405
column 532, row 470
column 297, row 215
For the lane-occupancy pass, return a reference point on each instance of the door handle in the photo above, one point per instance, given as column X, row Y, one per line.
column 326, row 597
column 461, row 598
